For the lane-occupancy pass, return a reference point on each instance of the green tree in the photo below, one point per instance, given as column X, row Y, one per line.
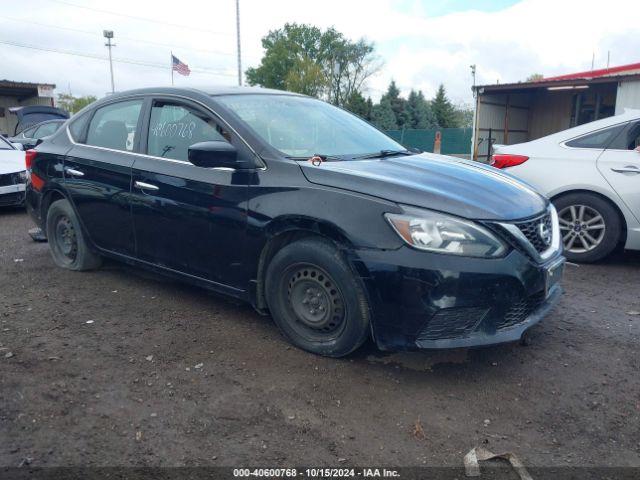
column 419, row 111
column 306, row 77
column 534, row 77
column 306, row 59
column 464, row 114
column 383, row 117
column 398, row 105
column 72, row 104
column 444, row 110
column 357, row 104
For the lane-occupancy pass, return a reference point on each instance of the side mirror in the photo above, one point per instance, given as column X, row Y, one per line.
column 215, row 154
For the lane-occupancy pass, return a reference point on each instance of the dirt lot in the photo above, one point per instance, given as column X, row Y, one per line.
column 120, row 367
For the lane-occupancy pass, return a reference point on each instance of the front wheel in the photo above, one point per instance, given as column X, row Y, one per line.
column 67, row 244
column 590, row 226
column 316, row 299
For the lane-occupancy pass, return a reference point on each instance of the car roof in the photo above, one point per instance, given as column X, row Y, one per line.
column 207, row 90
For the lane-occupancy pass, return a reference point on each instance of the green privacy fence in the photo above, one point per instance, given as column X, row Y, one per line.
column 454, row 140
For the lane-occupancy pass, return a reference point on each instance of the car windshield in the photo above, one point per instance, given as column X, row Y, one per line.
column 301, row 127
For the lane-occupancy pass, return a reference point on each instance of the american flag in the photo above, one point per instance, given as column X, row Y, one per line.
column 178, row 66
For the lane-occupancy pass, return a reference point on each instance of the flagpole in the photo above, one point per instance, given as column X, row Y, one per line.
column 171, row 59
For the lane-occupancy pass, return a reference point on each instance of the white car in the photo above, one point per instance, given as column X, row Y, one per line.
column 592, row 175
column 13, row 175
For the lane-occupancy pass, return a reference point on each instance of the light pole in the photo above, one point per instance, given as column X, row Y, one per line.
column 108, row 34
column 238, row 34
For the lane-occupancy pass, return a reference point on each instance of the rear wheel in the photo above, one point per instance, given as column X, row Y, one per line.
column 67, row 244
column 590, row 226
column 316, row 300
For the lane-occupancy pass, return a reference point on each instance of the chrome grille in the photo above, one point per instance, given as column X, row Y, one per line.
column 531, row 230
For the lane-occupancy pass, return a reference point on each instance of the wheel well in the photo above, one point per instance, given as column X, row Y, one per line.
column 50, row 197
column 281, row 240
column 623, row 235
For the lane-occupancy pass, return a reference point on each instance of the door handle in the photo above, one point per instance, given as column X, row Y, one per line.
column 74, row 173
column 146, row 186
column 627, row 169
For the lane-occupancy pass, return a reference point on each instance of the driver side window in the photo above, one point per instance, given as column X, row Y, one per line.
column 174, row 127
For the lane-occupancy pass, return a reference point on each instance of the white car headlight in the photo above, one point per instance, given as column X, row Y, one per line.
column 440, row 233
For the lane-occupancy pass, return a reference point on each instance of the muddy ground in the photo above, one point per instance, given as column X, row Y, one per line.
column 121, row 367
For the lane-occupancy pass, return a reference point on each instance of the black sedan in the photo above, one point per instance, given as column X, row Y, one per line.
column 29, row 137
column 303, row 210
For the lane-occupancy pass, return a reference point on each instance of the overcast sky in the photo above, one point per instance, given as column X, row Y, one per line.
column 422, row 43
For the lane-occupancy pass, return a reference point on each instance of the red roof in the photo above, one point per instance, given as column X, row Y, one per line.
column 603, row 72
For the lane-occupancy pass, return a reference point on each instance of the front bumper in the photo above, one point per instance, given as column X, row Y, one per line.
column 422, row 300
column 12, row 195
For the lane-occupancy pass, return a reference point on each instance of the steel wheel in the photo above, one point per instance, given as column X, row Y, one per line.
column 316, row 302
column 583, row 228
column 65, row 238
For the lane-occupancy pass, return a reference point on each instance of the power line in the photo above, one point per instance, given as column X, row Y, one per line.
column 119, row 60
column 141, row 19
column 88, row 32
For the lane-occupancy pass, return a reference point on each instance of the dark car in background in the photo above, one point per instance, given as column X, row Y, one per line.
column 31, row 115
column 29, row 137
column 305, row 211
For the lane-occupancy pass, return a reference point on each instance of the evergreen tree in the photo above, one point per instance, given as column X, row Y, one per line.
column 419, row 112
column 443, row 109
column 357, row 104
column 398, row 105
column 369, row 109
column 383, row 116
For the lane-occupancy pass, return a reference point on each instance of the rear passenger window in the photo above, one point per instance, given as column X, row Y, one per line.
column 600, row 139
column 77, row 127
column 629, row 139
column 174, row 127
column 46, row 130
column 114, row 126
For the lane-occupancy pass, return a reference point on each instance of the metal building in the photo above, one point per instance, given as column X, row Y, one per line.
column 518, row 112
column 19, row 94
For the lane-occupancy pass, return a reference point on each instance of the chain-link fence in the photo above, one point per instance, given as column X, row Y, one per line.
column 455, row 141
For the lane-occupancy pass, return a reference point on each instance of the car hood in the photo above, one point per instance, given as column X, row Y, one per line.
column 11, row 161
column 437, row 182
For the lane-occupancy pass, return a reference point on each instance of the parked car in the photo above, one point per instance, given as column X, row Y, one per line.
column 34, row 114
column 303, row 210
column 592, row 175
column 29, row 137
column 13, row 175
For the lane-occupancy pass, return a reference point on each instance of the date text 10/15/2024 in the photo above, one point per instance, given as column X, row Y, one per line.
column 316, row 472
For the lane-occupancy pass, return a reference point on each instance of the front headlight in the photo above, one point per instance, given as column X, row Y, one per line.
column 440, row 233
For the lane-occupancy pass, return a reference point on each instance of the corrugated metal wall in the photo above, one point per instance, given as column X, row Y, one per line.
column 503, row 116
column 628, row 95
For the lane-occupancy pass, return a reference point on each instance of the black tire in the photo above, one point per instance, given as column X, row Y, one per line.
column 608, row 237
column 316, row 299
column 67, row 243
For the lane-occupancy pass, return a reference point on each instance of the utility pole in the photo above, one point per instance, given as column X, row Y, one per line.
column 108, row 34
column 238, row 34
column 473, row 74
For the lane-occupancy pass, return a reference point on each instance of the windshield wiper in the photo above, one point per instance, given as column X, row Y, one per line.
column 384, row 154
column 323, row 157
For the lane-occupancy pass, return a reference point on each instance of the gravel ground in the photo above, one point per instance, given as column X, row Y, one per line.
column 119, row 367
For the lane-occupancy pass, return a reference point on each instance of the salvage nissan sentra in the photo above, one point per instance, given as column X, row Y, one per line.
column 305, row 211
